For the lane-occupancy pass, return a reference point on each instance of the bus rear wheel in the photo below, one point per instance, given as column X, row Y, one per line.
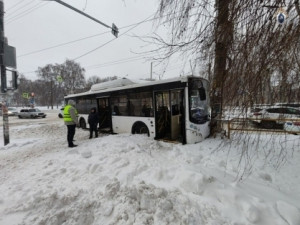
column 140, row 128
column 82, row 124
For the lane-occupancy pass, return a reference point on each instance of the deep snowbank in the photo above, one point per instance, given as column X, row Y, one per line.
column 131, row 179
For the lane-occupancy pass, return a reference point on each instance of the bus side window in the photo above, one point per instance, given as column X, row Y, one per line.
column 146, row 110
column 130, row 108
column 116, row 111
column 175, row 109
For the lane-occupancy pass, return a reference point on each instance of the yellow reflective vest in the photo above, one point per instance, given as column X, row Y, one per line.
column 67, row 116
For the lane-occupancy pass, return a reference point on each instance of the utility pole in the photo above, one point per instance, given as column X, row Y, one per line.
column 151, row 66
column 3, row 75
column 51, row 92
column 7, row 59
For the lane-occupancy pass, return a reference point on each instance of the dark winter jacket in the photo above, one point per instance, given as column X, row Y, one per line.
column 93, row 117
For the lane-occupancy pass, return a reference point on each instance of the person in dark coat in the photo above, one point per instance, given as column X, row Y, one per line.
column 93, row 121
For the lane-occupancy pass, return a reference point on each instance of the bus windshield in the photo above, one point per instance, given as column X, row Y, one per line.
column 198, row 102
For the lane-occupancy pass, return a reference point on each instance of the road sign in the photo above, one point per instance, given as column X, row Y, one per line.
column 25, row 95
column 281, row 15
column 59, row 79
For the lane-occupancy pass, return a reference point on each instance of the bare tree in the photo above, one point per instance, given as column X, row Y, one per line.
column 73, row 76
column 249, row 56
column 95, row 80
column 240, row 43
column 61, row 79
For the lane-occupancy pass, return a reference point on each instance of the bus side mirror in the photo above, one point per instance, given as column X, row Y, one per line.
column 202, row 93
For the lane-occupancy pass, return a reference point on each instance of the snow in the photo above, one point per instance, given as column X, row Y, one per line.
column 133, row 179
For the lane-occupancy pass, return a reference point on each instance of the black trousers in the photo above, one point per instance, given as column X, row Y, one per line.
column 71, row 133
column 93, row 128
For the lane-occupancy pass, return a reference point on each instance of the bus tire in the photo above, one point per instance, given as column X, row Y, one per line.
column 140, row 128
column 82, row 123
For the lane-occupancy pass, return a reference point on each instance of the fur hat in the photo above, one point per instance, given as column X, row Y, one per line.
column 71, row 102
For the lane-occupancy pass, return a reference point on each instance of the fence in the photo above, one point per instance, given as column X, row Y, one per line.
column 248, row 124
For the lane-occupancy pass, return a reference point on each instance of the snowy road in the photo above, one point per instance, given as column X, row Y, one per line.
column 131, row 179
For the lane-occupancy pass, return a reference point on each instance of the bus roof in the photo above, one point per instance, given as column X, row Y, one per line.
column 124, row 83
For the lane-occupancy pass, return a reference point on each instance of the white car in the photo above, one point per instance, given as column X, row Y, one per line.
column 61, row 113
column 31, row 113
column 11, row 111
column 276, row 116
column 292, row 127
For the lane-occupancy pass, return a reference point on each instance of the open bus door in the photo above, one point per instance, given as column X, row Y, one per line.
column 169, row 115
column 104, row 114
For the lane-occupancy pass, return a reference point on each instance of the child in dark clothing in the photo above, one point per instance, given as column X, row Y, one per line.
column 93, row 121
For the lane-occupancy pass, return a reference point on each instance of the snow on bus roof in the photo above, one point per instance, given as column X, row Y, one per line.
column 124, row 83
column 112, row 84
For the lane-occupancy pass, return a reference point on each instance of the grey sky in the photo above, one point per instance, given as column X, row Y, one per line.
column 35, row 25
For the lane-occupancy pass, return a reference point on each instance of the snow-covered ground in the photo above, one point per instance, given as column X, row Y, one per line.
column 132, row 179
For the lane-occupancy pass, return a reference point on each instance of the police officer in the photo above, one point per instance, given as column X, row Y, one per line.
column 71, row 121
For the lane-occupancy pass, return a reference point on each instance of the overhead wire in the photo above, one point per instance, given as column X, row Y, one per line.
column 112, row 39
column 26, row 12
column 80, row 39
column 84, row 38
column 89, row 52
column 9, row 15
column 170, row 68
column 14, row 5
column 107, row 63
column 62, row 44
column 21, row 6
column 120, row 61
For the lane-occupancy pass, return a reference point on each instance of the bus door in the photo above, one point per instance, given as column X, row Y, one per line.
column 104, row 114
column 177, row 115
column 162, row 115
column 169, row 115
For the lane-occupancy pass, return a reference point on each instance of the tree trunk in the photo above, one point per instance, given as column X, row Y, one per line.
column 223, row 32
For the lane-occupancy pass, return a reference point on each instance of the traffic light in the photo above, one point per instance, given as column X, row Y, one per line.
column 114, row 30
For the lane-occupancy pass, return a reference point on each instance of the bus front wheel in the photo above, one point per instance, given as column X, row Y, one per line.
column 140, row 128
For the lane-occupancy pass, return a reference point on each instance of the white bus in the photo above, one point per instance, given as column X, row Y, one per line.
column 175, row 109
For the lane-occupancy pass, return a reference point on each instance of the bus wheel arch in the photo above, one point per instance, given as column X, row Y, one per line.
column 140, row 128
column 82, row 123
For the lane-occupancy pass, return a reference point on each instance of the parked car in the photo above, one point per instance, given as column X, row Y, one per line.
column 11, row 111
column 292, row 127
column 31, row 113
column 61, row 113
column 275, row 116
column 291, row 104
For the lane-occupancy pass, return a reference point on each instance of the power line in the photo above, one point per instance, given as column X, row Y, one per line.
column 26, row 12
column 77, row 40
column 116, row 62
column 105, row 64
column 84, row 38
column 62, row 44
column 11, row 14
column 170, row 68
column 124, row 60
column 14, row 5
column 87, row 53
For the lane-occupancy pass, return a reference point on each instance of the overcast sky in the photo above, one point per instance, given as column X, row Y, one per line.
column 35, row 28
